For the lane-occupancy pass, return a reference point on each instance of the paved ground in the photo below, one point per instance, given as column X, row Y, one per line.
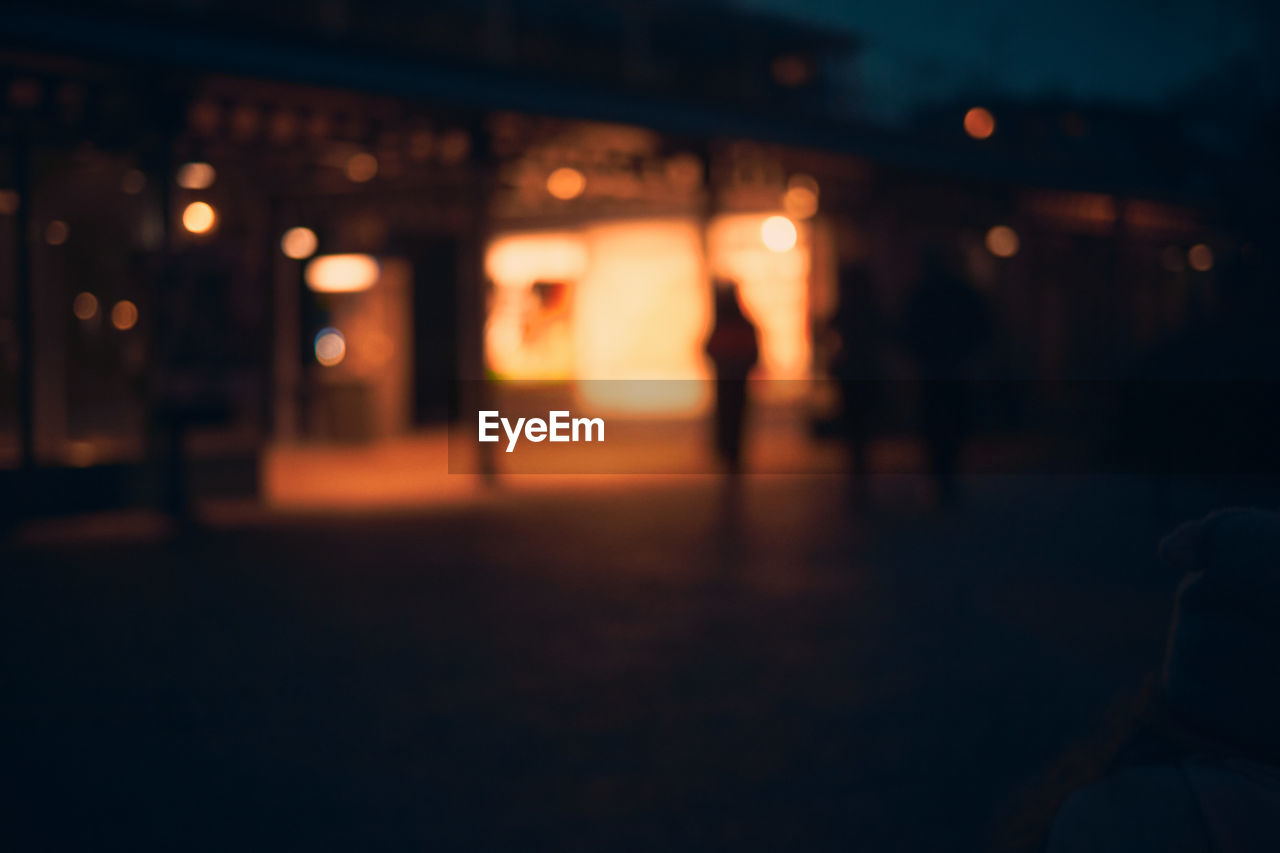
column 642, row 665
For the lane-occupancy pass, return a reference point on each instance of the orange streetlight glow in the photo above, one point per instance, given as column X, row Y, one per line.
column 566, row 183
column 299, row 243
column 1200, row 257
column 56, row 232
column 362, row 167
column 198, row 217
column 196, row 176
column 124, row 315
column 800, row 201
column 1002, row 241
column 979, row 123
column 84, row 306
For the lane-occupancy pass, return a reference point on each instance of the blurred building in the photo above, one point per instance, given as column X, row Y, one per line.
column 310, row 220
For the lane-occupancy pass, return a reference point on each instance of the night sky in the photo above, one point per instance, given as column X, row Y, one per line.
column 1129, row 51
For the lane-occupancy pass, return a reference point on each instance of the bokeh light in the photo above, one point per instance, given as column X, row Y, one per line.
column 8, row 202
column 196, row 176
column 566, row 183
column 362, row 167
column 124, row 315
column 979, row 122
column 342, row 273
column 800, row 201
column 1002, row 241
column 299, row 243
column 56, row 232
column 330, row 346
column 1200, row 257
column 85, row 306
column 778, row 233
column 198, row 217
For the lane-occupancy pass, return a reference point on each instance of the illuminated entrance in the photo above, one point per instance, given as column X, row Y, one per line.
column 631, row 300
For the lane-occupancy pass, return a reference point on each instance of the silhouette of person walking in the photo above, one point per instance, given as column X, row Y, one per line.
column 734, row 349
column 947, row 324
column 855, row 366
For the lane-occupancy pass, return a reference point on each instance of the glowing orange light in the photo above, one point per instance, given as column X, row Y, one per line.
column 56, row 233
column 342, row 273
column 800, row 201
column 124, row 315
column 8, row 202
column 84, row 306
column 1200, row 257
column 362, row 167
column 979, row 122
column 1002, row 241
column 198, row 217
column 330, row 346
column 454, row 146
column 299, row 243
column 196, row 176
column 566, row 183
column 778, row 233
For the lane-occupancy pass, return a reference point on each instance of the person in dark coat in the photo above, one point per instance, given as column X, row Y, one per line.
column 856, row 367
column 734, row 349
column 947, row 325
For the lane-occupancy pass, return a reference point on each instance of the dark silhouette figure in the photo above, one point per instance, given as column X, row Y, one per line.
column 1200, row 771
column 734, row 349
column 947, row 324
column 855, row 367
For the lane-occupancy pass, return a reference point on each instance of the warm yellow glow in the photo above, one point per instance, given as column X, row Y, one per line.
column 630, row 300
column 342, row 273
column 528, row 333
column 299, row 243
column 1200, row 257
column 778, row 233
column 979, row 123
column 520, row 260
column 56, row 233
column 85, row 306
column 773, row 288
column 196, row 176
column 566, row 183
column 330, row 347
column 1002, row 241
column 124, row 315
column 198, row 217
column 362, row 167
column 133, row 182
column 619, row 300
column 642, row 311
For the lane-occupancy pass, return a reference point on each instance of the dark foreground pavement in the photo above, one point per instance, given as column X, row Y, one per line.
column 649, row 669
